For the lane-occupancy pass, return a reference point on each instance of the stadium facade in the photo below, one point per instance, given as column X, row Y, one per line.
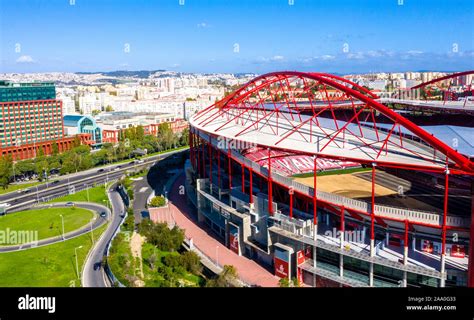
column 246, row 148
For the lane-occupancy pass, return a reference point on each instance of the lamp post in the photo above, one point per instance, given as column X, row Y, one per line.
column 77, row 265
column 62, row 222
column 87, row 191
column 92, row 232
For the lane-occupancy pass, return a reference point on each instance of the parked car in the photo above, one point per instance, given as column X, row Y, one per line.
column 70, row 204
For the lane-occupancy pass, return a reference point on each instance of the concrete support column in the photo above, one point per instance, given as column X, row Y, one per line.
column 443, row 270
column 470, row 270
column 315, row 238
column 443, row 232
column 243, row 178
column 251, row 188
column 372, row 214
column 404, row 281
column 341, row 266
column 270, row 195
column 290, row 191
column 371, row 274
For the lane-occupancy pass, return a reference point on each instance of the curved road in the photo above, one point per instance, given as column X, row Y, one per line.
column 93, row 274
column 97, row 208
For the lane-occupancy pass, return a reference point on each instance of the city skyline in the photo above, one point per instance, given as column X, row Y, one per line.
column 213, row 37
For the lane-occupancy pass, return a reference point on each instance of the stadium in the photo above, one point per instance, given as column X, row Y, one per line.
column 319, row 179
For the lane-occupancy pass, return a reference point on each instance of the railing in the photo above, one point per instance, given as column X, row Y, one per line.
column 359, row 205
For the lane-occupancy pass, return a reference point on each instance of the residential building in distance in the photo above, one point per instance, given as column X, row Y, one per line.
column 114, row 122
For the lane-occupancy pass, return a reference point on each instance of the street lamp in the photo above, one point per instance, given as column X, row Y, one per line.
column 77, row 265
column 92, row 232
column 62, row 221
column 87, row 191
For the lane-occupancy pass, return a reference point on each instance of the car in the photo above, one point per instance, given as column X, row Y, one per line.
column 100, row 170
column 26, row 190
column 55, row 181
column 140, row 161
column 103, row 214
column 70, row 204
column 97, row 265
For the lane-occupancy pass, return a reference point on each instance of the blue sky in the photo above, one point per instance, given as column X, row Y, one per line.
column 236, row 36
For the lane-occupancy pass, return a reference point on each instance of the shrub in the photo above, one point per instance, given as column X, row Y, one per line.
column 157, row 202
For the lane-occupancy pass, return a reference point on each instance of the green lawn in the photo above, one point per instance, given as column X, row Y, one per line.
column 332, row 172
column 49, row 266
column 47, row 222
column 96, row 194
column 15, row 187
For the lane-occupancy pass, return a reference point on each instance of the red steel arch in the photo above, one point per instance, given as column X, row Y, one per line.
column 242, row 105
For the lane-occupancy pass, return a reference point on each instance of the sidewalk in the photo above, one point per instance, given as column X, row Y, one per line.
column 249, row 271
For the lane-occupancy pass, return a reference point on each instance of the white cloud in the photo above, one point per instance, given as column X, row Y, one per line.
column 327, row 57
column 357, row 55
column 25, row 59
column 276, row 58
column 202, row 25
column 414, row 52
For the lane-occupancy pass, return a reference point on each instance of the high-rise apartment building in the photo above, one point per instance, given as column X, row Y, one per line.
column 31, row 119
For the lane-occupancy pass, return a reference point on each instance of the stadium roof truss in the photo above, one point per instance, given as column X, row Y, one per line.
column 284, row 110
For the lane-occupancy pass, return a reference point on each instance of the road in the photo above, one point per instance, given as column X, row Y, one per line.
column 85, row 229
column 80, row 180
column 93, row 274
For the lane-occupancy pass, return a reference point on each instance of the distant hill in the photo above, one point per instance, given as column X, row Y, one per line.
column 143, row 74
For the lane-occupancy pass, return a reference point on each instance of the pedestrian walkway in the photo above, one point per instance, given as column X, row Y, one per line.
column 249, row 271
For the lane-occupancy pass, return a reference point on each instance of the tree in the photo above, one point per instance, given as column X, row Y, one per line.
column 55, row 148
column 76, row 142
column 139, row 133
column 6, row 170
column 95, row 112
column 157, row 202
column 285, row 283
column 227, row 278
column 191, row 262
column 109, row 108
